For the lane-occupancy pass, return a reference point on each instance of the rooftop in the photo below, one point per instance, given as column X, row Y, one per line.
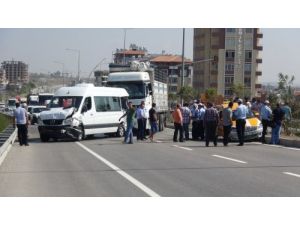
column 169, row 59
column 130, row 52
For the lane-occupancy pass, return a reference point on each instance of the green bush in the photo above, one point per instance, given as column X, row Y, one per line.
column 4, row 122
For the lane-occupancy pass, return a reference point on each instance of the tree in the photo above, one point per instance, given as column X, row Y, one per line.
column 210, row 94
column 273, row 99
column 238, row 90
column 285, row 88
column 186, row 93
column 172, row 97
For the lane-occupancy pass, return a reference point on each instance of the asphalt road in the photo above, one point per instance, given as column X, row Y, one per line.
column 103, row 166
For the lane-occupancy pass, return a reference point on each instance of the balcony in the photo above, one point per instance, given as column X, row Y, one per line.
column 258, row 73
column 260, row 35
column 214, row 72
column 259, row 48
column 215, row 34
column 258, row 60
column 258, row 86
column 215, row 47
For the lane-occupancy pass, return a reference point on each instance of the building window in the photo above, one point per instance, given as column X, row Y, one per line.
column 230, row 55
column 230, row 43
column 173, row 71
column 230, row 30
column 248, row 56
column 248, row 43
column 173, row 80
column 229, row 67
column 228, row 92
column 247, row 67
column 247, row 81
column 229, row 80
column 173, row 89
column 249, row 30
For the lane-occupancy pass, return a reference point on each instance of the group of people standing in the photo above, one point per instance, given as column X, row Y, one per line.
column 142, row 115
column 205, row 120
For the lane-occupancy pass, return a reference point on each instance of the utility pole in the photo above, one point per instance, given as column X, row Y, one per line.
column 124, row 45
column 78, row 63
column 182, row 69
column 182, row 72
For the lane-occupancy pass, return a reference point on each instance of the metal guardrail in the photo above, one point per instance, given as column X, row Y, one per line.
column 7, row 137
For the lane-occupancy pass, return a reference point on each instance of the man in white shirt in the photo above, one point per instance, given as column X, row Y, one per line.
column 21, row 120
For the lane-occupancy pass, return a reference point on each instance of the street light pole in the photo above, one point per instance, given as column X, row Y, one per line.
column 62, row 71
column 182, row 76
column 182, row 70
column 99, row 64
column 78, row 69
column 125, row 30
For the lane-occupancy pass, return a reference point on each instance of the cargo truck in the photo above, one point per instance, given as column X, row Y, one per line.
column 142, row 83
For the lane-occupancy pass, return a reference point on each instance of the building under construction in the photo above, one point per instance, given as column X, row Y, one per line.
column 16, row 72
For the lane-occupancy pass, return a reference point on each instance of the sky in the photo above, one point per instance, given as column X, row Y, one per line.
column 41, row 47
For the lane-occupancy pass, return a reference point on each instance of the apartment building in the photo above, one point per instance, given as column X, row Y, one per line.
column 170, row 67
column 224, row 57
column 124, row 56
column 16, row 72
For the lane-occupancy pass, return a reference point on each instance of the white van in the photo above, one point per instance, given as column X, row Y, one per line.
column 83, row 110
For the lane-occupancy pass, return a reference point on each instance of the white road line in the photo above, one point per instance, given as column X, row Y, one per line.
column 134, row 181
column 158, row 141
column 185, row 148
column 292, row 174
column 223, row 157
column 277, row 146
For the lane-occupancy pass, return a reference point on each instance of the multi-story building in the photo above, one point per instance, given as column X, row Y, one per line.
column 100, row 77
column 124, row 56
column 170, row 67
column 16, row 72
column 227, row 57
column 2, row 76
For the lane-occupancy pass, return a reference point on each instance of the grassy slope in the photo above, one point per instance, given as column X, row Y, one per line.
column 3, row 122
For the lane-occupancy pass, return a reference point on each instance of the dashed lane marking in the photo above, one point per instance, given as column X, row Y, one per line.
column 292, row 174
column 134, row 181
column 231, row 159
column 277, row 146
column 185, row 148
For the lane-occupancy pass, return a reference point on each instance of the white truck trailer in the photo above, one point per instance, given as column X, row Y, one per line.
column 142, row 84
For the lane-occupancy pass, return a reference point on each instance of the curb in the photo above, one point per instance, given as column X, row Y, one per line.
column 283, row 142
column 286, row 142
column 6, row 146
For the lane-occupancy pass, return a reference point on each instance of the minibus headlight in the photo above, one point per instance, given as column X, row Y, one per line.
column 40, row 121
column 68, row 121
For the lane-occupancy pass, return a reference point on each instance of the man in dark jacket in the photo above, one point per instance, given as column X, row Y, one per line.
column 278, row 115
column 211, row 119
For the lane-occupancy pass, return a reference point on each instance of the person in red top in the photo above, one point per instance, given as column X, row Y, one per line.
column 177, row 117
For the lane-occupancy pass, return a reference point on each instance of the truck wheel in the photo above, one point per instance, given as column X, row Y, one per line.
column 161, row 122
column 121, row 131
column 44, row 137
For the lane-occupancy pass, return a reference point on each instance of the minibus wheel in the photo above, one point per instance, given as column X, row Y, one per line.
column 81, row 135
column 121, row 131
